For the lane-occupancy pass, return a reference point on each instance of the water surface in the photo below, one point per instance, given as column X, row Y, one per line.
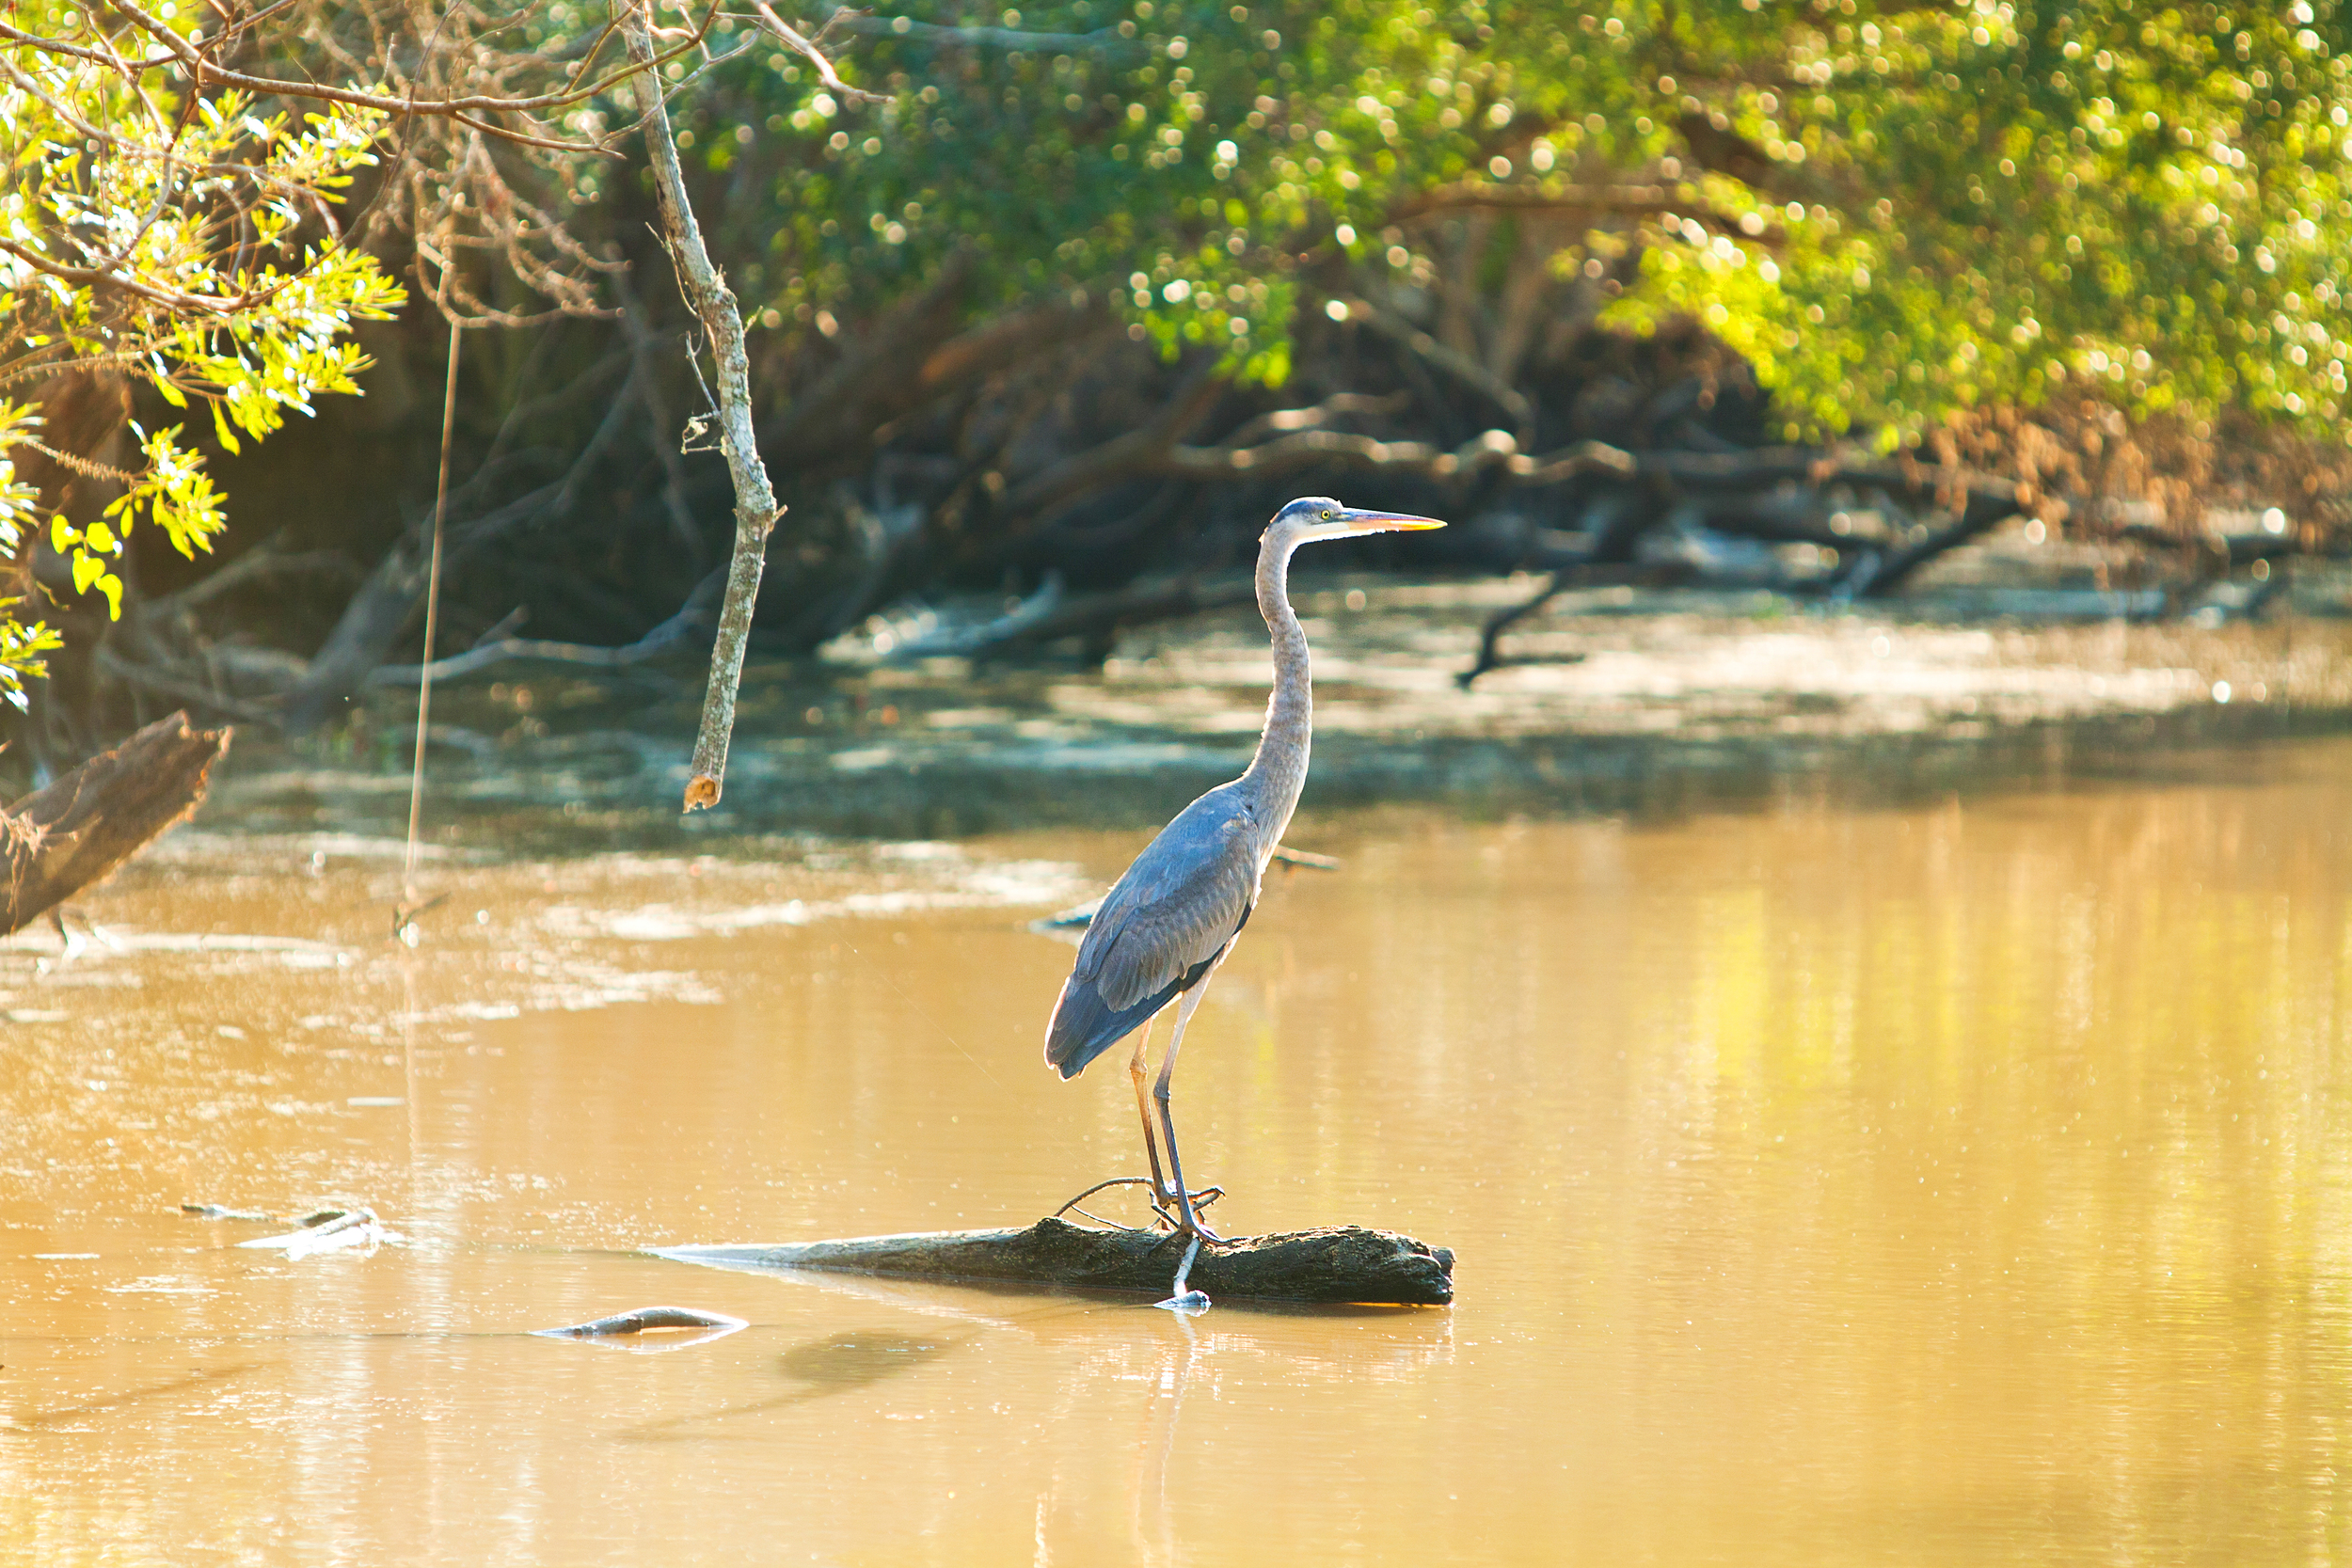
column 1958, row 1183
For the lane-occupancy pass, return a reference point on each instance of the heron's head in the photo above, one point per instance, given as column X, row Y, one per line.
column 1312, row 518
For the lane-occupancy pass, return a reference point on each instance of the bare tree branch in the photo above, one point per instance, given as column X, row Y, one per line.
column 815, row 57
column 1106, row 40
column 755, row 506
column 1453, row 361
column 681, row 630
column 208, row 73
column 1140, row 451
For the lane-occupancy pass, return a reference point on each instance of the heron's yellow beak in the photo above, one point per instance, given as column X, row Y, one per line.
column 1352, row 522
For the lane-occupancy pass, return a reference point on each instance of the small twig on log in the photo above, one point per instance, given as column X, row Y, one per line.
column 1339, row 1264
column 58, row 840
column 1201, row 1199
column 1113, row 1182
column 755, row 506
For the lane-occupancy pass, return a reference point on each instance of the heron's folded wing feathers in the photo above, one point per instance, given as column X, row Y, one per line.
column 1181, row 901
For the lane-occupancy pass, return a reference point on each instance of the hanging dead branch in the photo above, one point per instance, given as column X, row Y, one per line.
column 755, row 505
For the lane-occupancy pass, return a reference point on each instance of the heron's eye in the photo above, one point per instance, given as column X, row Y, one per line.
column 1330, row 513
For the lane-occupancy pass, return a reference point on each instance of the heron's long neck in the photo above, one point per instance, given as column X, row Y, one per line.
column 1279, row 771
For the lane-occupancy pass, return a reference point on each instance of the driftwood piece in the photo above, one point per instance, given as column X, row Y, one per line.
column 58, row 840
column 1346, row 1263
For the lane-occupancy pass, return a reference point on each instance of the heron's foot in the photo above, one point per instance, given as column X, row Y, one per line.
column 1165, row 1202
column 1189, row 1221
column 1186, row 1303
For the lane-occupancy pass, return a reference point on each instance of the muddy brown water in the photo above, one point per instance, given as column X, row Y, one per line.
column 1961, row 1182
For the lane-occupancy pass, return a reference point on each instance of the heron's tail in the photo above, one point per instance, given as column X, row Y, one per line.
column 1083, row 1026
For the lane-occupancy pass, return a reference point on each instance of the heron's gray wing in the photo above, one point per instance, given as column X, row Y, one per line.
column 1178, row 905
column 1158, row 930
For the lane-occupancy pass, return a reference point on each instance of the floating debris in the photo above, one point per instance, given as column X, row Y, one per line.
column 330, row 1231
column 216, row 1212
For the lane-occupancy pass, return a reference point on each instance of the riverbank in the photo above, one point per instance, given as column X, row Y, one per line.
column 1616, row 702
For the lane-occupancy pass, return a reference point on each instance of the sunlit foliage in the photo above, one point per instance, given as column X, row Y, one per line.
column 1895, row 210
column 181, row 239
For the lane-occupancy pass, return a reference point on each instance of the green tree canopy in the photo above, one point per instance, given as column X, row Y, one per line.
column 182, row 239
column 1894, row 209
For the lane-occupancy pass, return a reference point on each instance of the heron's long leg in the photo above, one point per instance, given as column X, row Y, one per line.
column 1138, row 1070
column 1159, row 1091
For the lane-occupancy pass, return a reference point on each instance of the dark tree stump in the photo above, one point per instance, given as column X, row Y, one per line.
column 1339, row 1264
column 60, row 840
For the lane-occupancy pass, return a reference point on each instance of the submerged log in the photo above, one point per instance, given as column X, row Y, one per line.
column 646, row 1320
column 58, row 840
column 1347, row 1263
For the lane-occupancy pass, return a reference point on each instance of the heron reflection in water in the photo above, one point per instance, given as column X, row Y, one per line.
column 1160, row 932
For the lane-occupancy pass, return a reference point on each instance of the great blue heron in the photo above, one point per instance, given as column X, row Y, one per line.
column 1160, row 932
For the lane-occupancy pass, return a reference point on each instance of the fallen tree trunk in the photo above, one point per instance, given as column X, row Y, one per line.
column 1339, row 1264
column 58, row 840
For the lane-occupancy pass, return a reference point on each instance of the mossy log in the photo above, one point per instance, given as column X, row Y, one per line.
column 1347, row 1263
column 58, row 840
